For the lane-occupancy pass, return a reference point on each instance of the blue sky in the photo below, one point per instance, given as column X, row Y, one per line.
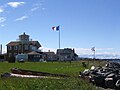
column 83, row 24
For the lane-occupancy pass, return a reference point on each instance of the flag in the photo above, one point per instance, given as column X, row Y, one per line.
column 56, row 28
column 93, row 48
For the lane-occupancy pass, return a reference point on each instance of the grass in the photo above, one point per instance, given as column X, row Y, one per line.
column 73, row 83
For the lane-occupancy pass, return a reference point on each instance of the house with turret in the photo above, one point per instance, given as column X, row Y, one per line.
column 22, row 46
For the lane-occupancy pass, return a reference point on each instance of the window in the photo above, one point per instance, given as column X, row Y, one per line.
column 10, row 54
column 33, row 47
column 19, row 47
column 15, row 47
column 15, row 54
column 10, row 47
column 26, row 47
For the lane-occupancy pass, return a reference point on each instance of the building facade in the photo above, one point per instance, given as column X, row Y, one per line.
column 50, row 56
column 23, row 46
column 66, row 54
column 35, row 56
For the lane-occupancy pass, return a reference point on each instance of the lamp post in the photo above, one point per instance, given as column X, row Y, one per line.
column 93, row 49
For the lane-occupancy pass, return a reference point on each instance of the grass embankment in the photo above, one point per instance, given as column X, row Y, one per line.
column 73, row 83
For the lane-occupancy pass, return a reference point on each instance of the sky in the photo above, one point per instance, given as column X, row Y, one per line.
column 83, row 24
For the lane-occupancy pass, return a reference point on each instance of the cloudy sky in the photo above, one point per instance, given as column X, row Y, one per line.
column 83, row 24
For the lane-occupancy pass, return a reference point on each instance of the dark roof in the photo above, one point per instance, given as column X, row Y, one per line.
column 14, row 43
column 35, row 43
column 49, row 53
column 65, row 50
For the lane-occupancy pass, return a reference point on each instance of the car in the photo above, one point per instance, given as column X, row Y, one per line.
column 21, row 60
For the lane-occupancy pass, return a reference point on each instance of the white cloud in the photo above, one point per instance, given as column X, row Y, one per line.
column 15, row 4
column 2, row 19
column 100, row 53
column 2, row 25
column 34, row 9
column 47, row 49
column 80, row 51
column 88, row 51
column 37, row 6
column 21, row 18
column 4, row 49
column 101, row 49
column 1, row 9
column 43, row 8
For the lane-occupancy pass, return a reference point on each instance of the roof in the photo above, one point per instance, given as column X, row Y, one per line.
column 65, row 50
column 35, row 43
column 14, row 43
column 33, row 53
column 24, row 34
column 49, row 53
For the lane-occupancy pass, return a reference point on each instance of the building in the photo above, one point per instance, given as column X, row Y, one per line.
column 50, row 56
column 35, row 56
column 3, row 57
column 22, row 46
column 67, row 54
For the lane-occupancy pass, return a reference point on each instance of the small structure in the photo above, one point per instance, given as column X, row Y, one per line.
column 2, row 57
column 67, row 54
column 50, row 56
column 35, row 56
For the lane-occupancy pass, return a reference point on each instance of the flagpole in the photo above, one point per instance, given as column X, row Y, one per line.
column 59, row 42
column 59, row 38
column 57, row 28
column 94, row 57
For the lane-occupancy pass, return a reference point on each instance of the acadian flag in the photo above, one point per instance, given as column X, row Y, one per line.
column 57, row 28
column 93, row 48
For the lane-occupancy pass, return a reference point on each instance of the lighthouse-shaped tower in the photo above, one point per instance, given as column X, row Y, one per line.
column 24, row 39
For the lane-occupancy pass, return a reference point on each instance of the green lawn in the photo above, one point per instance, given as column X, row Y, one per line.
column 72, row 83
